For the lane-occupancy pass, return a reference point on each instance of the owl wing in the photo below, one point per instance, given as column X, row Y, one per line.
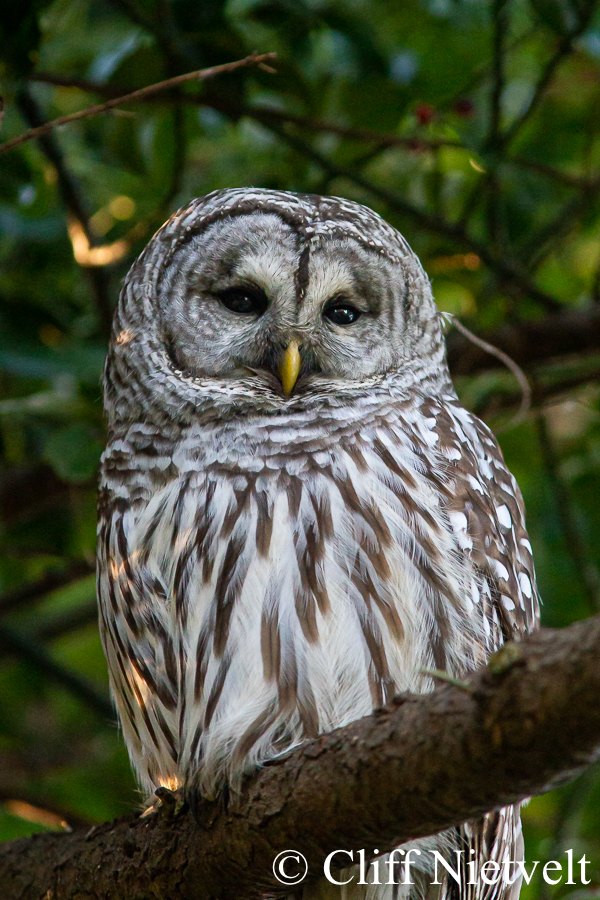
column 139, row 645
column 487, row 514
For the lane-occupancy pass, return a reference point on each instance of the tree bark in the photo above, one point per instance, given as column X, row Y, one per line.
column 526, row 723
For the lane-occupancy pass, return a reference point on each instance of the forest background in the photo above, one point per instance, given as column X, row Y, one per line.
column 472, row 125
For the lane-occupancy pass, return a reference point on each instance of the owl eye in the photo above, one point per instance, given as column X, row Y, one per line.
column 342, row 314
column 244, row 301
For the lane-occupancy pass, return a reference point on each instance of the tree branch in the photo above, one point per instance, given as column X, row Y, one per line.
column 141, row 94
column 547, row 392
column 529, row 722
column 575, row 331
column 365, row 135
column 499, row 39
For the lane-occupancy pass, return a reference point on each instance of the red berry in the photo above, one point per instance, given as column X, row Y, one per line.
column 425, row 113
column 464, row 108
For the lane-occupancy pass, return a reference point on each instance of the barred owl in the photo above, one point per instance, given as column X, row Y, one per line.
column 296, row 515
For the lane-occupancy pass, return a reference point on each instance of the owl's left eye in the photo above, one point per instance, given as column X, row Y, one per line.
column 244, row 301
column 342, row 313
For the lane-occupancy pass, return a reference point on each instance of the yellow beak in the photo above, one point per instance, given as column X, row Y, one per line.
column 290, row 367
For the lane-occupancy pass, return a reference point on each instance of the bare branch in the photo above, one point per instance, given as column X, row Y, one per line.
column 528, row 722
column 39, row 809
column 573, row 181
column 67, row 620
column 366, row 135
column 547, row 392
column 381, row 139
column 499, row 38
column 568, row 219
column 141, row 94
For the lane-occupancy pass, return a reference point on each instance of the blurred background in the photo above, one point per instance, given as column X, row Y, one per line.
column 471, row 125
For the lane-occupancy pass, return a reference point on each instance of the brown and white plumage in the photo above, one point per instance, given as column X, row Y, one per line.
column 271, row 566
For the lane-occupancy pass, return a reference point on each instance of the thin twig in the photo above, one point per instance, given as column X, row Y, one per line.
column 383, row 139
column 500, row 30
column 131, row 10
column 547, row 394
column 499, row 37
column 444, row 677
column 66, row 621
column 30, row 801
column 481, row 73
column 568, row 219
column 69, row 188
column 508, row 362
column 595, row 291
column 141, row 94
column 571, row 181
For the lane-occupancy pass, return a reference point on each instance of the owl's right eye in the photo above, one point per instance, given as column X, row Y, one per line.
column 244, row 301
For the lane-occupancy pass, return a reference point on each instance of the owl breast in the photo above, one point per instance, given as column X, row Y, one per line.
column 261, row 599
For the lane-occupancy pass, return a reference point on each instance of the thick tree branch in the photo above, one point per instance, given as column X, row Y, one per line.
column 527, row 723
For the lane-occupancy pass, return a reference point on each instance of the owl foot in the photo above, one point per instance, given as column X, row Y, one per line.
column 168, row 804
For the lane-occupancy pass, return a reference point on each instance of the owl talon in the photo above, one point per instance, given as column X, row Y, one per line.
column 170, row 803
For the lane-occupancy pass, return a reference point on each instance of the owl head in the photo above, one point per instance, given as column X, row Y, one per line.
column 270, row 300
